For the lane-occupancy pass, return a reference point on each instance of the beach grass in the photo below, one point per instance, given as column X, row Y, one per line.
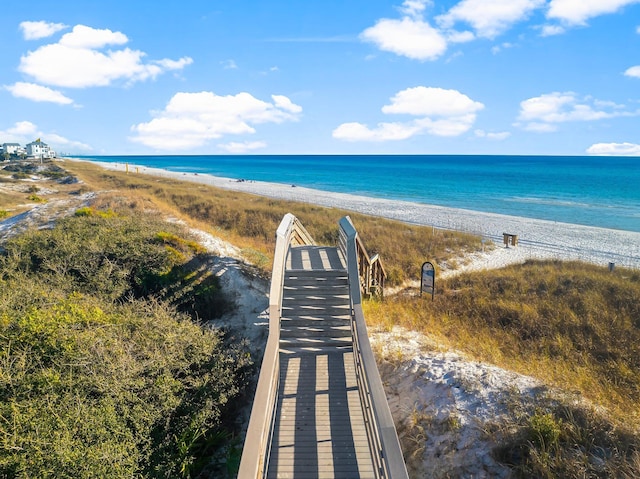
column 250, row 221
column 573, row 326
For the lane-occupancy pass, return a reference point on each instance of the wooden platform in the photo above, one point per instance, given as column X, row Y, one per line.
column 319, row 429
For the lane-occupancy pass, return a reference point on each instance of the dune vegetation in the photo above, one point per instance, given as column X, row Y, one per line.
column 573, row 326
column 250, row 221
column 105, row 368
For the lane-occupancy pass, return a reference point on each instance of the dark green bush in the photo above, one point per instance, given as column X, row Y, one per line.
column 100, row 376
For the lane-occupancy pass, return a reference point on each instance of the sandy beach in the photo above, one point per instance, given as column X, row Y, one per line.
column 537, row 239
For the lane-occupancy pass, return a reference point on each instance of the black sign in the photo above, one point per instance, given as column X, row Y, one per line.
column 428, row 279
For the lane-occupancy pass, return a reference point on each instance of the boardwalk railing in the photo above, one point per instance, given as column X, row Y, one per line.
column 370, row 269
column 254, row 455
column 382, row 433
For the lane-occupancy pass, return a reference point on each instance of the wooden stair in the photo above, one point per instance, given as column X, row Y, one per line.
column 316, row 311
column 319, row 430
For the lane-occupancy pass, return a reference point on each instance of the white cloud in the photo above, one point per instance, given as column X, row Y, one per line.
column 503, row 46
column 409, row 37
column 454, row 126
column 383, row 132
column 39, row 93
column 20, row 129
column 496, row 136
column 429, row 101
column 460, row 37
column 633, row 72
column 192, row 119
column 577, row 12
column 414, row 8
column 440, row 112
column 614, row 149
column 544, row 112
column 235, row 147
column 489, row 17
column 24, row 132
column 40, row 29
column 60, row 142
column 76, row 62
column 551, row 30
column 168, row 64
column 538, row 127
column 285, row 104
column 86, row 37
column 229, row 65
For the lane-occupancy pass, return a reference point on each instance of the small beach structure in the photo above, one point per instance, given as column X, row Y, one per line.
column 510, row 239
column 320, row 409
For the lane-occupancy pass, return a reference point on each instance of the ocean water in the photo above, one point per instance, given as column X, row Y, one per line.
column 592, row 191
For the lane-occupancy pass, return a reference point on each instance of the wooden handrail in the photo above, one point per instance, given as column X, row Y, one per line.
column 383, row 437
column 256, row 445
column 371, row 270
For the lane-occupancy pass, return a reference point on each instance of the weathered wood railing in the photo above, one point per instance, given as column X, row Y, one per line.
column 371, row 272
column 256, row 447
column 383, row 438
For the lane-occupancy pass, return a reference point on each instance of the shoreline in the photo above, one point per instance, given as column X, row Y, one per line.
column 538, row 239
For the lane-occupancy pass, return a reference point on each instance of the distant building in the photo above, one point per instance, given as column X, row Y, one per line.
column 39, row 149
column 11, row 148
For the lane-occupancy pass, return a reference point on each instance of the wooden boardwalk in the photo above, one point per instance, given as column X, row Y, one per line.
column 320, row 410
column 319, row 426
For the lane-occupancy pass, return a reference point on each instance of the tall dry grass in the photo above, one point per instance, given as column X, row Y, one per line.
column 574, row 326
column 563, row 322
column 250, row 221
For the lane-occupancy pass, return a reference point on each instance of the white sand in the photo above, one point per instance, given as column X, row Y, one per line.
column 537, row 238
column 443, row 404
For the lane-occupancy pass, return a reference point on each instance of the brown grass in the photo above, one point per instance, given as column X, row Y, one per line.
column 250, row 221
column 574, row 326
column 565, row 323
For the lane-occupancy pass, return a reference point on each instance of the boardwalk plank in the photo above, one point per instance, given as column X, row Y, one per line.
column 319, row 429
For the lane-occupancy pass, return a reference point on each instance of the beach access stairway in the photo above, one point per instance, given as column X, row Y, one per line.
column 320, row 410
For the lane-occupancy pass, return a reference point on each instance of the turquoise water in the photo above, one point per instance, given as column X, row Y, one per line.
column 592, row 191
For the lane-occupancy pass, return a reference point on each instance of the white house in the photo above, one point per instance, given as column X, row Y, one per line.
column 11, row 148
column 39, row 149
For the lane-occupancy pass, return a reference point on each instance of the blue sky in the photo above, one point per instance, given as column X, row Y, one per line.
column 513, row 77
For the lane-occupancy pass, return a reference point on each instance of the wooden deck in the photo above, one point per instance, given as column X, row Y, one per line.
column 319, row 427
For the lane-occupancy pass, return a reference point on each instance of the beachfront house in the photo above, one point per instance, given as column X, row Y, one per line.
column 39, row 149
column 11, row 148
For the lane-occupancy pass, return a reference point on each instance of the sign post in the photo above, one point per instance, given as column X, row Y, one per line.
column 428, row 279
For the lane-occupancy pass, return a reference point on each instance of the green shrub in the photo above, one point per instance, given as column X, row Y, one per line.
column 87, row 391
column 100, row 253
column 544, row 430
column 99, row 376
column 4, row 214
column 90, row 211
column 36, row 199
column 568, row 442
column 84, row 211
